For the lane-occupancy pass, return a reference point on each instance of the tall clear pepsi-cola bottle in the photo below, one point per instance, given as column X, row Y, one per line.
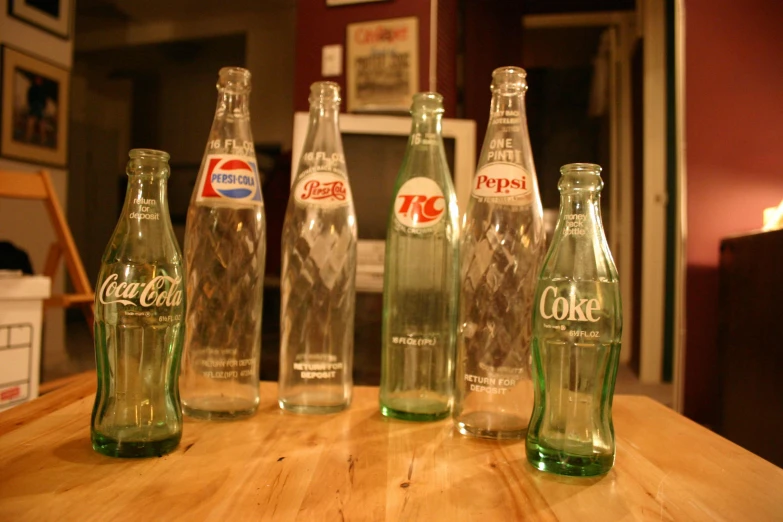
column 502, row 247
column 139, row 321
column 421, row 280
column 318, row 280
column 225, row 250
column 577, row 329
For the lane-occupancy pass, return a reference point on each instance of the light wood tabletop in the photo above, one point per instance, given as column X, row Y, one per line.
column 357, row 465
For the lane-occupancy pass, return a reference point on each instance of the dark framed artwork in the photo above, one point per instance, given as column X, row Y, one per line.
column 51, row 15
column 33, row 110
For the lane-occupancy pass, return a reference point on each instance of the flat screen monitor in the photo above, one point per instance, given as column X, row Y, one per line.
column 374, row 147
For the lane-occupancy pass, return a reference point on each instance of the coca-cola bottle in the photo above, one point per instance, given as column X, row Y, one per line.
column 139, row 321
column 577, row 329
column 502, row 246
column 421, row 281
column 319, row 269
column 225, row 250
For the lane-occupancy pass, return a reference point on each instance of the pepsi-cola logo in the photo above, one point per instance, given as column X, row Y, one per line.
column 419, row 203
column 501, row 180
column 323, row 189
column 230, row 177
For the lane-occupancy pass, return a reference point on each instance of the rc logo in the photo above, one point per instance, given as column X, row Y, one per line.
column 230, row 178
column 420, row 203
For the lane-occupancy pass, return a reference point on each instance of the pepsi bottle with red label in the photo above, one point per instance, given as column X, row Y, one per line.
column 225, row 249
column 420, row 288
column 318, row 279
column 502, row 248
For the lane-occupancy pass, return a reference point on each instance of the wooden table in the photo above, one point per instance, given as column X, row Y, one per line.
column 357, row 465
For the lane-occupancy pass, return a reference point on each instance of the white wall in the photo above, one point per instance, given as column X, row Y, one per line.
column 269, row 56
column 26, row 223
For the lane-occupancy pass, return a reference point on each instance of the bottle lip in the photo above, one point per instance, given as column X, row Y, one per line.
column 427, row 102
column 151, row 154
column 234, row 80
column 324, row 92
column 509, row 80
column 581, row 168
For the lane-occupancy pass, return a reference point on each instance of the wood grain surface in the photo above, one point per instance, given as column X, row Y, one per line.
column 357, row 465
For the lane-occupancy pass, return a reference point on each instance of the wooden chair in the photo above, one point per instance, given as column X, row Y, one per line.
column 38, row 185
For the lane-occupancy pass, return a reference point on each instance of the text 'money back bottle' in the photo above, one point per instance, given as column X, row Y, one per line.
column 318, row 280
column 502, row 247
column 420, row 289
column 139, row 321
column 577, row 330
column 225, row 251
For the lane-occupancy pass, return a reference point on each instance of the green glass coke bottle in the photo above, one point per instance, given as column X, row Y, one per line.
column 577, row 326
column 139, row 321
column 421, row 284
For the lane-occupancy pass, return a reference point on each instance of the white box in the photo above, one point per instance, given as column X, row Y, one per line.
column 21, row 314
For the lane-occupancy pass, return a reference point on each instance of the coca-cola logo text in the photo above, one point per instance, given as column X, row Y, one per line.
column 315, row 190
column 572, row 309
column 153, row 293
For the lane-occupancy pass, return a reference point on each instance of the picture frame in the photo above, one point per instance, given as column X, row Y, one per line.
column 382, row 65
column 34, row 99
column 53, row 16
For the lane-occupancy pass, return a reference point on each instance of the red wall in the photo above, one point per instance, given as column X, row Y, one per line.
column 318, row 25
column 734, row 154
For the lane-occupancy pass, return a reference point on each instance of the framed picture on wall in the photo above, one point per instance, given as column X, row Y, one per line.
column 51, row 15
column 34, row 109
column 382, row 70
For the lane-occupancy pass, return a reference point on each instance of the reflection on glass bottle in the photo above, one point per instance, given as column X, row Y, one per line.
column 502, row 247
column 420, row 290
column 577, row 330
column 139, row 321
column 318, row 280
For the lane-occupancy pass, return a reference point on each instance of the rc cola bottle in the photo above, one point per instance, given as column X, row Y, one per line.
column 225, row 250
column 577, row 329
column 139, row 321
column 318, row 280
column 502, row 247
column 421, row 281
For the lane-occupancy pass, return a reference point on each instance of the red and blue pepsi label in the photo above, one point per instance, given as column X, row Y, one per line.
column 229, row 178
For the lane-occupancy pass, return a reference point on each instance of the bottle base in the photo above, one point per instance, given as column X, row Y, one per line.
column 489, row 425
column 392, row 413
column 112, row 447
column 219, row 408
column 311, row 409
column 563, row 463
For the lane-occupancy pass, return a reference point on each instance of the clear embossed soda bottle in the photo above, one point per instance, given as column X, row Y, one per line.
column 577, row 329
column 139, row 321
column 318, row 269
column 421, row 281
column 225, row 250
column 502, row 247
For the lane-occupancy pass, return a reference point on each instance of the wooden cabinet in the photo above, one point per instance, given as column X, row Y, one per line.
column 750, row 340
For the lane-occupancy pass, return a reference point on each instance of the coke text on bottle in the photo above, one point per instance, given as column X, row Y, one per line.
column 139, row 321
column 577, row 330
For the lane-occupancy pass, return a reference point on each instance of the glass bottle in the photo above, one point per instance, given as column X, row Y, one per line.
column 502, row 248
column 577, row 329
column 139, row 321
column 420, row 288
column 318, row 280
column 225, row 250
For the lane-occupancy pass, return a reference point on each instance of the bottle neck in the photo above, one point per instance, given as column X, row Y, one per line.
column 231, row 133
column 323, row 147
column 580, row 213
column 507, row 139
column 146, row 201
column 426, row 127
